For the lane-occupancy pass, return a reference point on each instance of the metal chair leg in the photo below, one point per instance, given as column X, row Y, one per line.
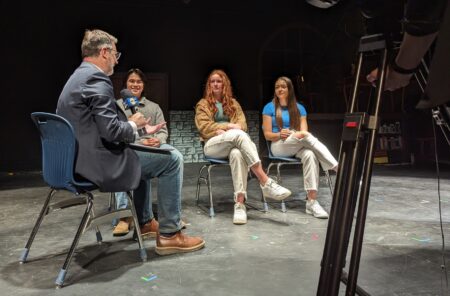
column 265, row 204
column 62, row 273
column 200, row 178
column 211, row 204
column 142, row 251
column 268, row 168
column 44, row 211
column 278, row 173
column 112, row 205
column 112, row 201
column 283, row 206
column 98, row 234
column 330, row 183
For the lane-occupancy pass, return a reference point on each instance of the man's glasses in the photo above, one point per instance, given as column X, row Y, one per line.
column 117, row 54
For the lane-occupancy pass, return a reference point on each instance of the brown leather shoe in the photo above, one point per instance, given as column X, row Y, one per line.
column 178, row 243
column 150, row 229
column 123, row 227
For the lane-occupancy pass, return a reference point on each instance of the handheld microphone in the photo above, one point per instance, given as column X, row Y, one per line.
column 130, row 102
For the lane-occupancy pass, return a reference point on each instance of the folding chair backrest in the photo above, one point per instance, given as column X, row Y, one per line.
column 212, row 159
column 269, row 150
column 279, row 158
column 58, row 150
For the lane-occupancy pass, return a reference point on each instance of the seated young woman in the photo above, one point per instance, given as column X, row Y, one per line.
column 286, row 127
column 222, row 125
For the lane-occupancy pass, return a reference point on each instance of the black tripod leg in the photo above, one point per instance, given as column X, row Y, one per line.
column 347, row 212
column 359, row 291
column 356, row 159
column 342, row 210
column 365, row 189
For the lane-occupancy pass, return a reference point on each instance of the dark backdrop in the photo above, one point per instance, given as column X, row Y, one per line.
column 254, row 41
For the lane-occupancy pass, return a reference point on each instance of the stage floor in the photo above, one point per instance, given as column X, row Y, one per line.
column 274, row 254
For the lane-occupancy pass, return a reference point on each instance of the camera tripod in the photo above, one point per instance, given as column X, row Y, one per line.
column 353, row 178
column 355, row 172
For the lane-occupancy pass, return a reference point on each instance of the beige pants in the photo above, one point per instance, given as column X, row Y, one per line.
column 236, row 146
column 311, row 151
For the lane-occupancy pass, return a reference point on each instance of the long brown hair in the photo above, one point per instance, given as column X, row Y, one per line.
column 227, row 94
column 294, row 114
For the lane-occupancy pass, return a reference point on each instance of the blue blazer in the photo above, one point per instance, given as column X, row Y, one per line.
column 102, row 131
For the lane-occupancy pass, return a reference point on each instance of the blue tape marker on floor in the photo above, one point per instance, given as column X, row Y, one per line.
column 148, row 279
column 422, row 240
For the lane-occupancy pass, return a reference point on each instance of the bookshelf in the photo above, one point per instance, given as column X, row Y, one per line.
column 392, row 140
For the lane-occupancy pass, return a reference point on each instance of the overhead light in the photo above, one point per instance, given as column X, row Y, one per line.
column 324, row 4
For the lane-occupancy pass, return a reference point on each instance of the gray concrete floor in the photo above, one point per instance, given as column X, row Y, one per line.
column 274, row 254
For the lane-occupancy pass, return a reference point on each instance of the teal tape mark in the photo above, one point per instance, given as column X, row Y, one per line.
column 150, row 278
column 422, row 240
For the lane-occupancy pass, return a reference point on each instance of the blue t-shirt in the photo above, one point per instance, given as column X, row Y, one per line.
column 269, row 110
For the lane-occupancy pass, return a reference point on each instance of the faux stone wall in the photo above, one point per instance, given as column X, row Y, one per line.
column 184, row 136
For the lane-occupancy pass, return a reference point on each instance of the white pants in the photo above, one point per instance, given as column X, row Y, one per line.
column 311, row 152
column 236, row 146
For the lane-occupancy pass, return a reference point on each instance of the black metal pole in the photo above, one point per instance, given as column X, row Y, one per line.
column 342, row 211
column 333, row 220
column 355, row 160
column 365, row 189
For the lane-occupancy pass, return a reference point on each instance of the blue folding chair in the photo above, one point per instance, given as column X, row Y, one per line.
column 211, row 163
column 206, row 178
column 280, row 161
column 59, row 149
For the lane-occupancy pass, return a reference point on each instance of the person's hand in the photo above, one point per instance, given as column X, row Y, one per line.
column 285, row 133
column 219, row 132
column 152, row 142
column 139, row 119
column 301, row 134
column 234, row 126
column 151, row 129
column 393, row 79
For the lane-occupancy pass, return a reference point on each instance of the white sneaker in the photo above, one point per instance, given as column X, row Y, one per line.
column 272, row 190
column 314, row 208
column 240, row 213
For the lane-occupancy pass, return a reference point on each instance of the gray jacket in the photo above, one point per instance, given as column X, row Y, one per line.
column 153, row 111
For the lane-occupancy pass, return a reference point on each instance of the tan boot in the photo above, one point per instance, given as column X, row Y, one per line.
column 150, row 229
column 123, row 227
column 178, row 243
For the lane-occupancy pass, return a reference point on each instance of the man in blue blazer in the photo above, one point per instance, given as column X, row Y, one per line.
column 104, row 157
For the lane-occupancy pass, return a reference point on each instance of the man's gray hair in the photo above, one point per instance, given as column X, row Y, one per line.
column 94, row 40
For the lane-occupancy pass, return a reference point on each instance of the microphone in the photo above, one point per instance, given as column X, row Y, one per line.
column 131, row 102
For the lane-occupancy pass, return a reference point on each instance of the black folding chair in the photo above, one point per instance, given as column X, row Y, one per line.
column 206, row 178
column 204, row 175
